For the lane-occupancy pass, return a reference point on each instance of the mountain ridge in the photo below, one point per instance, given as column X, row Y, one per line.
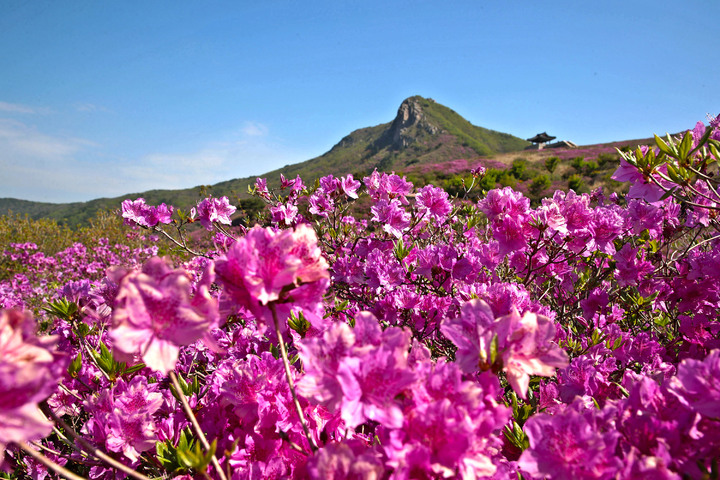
column 422, row 132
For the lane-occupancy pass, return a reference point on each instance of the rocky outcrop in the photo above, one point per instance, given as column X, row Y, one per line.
column 403, row 131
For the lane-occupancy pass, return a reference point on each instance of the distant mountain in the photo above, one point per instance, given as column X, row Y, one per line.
column 423, row 132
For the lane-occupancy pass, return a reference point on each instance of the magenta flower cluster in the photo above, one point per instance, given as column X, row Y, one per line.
column 372, row 330
column 137, row 212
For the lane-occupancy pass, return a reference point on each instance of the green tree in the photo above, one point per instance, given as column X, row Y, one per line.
column 575, row 182
column 519, row 169
column 551, row 164
column 539, row 184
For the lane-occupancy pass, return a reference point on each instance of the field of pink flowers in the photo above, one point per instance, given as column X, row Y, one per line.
column 431, row 338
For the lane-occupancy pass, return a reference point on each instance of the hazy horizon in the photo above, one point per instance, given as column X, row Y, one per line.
column 99, row 100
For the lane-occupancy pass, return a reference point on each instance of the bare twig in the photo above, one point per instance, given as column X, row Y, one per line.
column 288, row 375
column 88, row 447
column 49, row 463
column 196, row 426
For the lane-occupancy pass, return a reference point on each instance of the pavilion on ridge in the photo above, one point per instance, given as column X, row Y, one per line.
column 540, row 140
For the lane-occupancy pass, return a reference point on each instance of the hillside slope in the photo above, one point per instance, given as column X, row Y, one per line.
column 424, row 134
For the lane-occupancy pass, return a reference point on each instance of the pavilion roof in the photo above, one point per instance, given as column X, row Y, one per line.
column 541, row 138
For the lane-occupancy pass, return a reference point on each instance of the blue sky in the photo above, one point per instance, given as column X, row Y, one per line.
column 100, row 99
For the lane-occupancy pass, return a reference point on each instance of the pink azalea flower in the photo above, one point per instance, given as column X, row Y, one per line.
column 434, row 202
column 268, row 265
column 504, row 201
column 630, row 269
column 137, row 212
column 285, row 183
column 285, row 213
column 478, row 171
column 359, row 371
column 570, row 445
column 155, row 313
column 123, row 416
column 163, row 213
column 467, row 333
column 350, row 186
column 526, row 348
column 29, row 372
column 329, row 184
column 321, row 204
column 350, row 459
column 524, row 344
column 607, row 226
column 627, row 173
column 262, row 189
column 392, row 215
column 510, row 232
column 212, row 210
column 548, row 216
column 384, row 186
column 697, row 384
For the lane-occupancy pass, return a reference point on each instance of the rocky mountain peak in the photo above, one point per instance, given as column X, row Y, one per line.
column 409, row 119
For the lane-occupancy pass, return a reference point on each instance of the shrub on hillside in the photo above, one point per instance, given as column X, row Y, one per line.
column 575, row 182
column 551, row 164
column 539, row 184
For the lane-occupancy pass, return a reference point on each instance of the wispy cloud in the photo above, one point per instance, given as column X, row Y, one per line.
column 249, row 152
column 23, row 109
column 22, row 141
column 90, row 108
column 254, row 129
column 39, row 166
column 43, row 167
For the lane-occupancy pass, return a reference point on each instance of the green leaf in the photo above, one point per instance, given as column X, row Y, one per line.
column 341, row 306
column 640, row 161
column 299, row 323
column 75, row 365
column 493, row 349
column 400, row 250
column 684, row 148
column 665, row 148
column 715, row 151
column 134, row 368
column 703, row 139
column 187, row 455
column 516, row 436
column 668, row 194
column 112, row 368
column 673, row 173
column 64, row 309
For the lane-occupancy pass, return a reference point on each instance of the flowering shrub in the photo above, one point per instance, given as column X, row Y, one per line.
column 432, row 337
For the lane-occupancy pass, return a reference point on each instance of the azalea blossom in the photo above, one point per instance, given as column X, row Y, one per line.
column 434, row 202
column 217, row 210
column 137, row 212
column 155, row 313
column 280, row 266
column 29, row 372
column 350, row 186
column 697, row 384
column 522, row 345
column 359, row 371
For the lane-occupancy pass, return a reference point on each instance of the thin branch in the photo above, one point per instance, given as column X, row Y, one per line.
column 193, row 420
column 181, row 245
column 288, row 375
column 89, row 447
column 49, row 463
